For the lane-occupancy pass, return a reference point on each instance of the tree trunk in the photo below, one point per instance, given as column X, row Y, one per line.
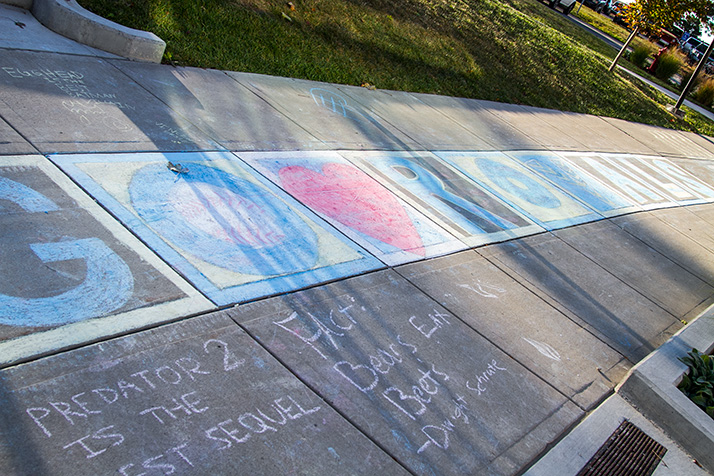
column 692, row 79
column 624, row 48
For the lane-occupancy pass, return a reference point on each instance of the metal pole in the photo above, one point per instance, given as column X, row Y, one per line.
column 690, row 84
column 624, row 47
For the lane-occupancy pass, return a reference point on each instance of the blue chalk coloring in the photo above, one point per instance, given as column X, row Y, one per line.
column 224, row 220
column 107, row 286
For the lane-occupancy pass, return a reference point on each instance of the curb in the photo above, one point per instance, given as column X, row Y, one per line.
column 651, row 386
column 26, row 4
column 69, row 19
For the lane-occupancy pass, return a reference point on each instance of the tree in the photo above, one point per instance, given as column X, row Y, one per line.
column 657, row 14
column 691, row 25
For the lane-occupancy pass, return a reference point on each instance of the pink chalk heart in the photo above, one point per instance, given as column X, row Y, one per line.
column 348, row 195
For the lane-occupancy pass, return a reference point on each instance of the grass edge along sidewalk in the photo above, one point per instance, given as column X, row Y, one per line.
column 518, row 51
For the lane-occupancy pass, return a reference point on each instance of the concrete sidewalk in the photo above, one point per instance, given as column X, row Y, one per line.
column 208, row 272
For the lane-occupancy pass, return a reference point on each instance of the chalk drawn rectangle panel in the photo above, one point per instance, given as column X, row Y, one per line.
column 563, row 174
column 682, row 178
column 554, row 345
column 698, row 174
column 70, row 273
column 522, row 189
column 653, row 171
column 196, row 398
column 232, row 233
column 622, row 181
column 356, row 204
column 444, row 195
column 436, row 395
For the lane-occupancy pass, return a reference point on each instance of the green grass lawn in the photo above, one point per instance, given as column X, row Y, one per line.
column 515, row 51
column 602, row 23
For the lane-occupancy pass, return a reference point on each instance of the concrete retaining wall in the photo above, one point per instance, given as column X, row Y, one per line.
column 69, row 19
column 652, row 387
column 26, row 4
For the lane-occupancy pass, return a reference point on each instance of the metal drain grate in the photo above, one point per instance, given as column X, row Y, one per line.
column 628, row 452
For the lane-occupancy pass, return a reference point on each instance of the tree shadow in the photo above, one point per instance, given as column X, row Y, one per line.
column 180, row 114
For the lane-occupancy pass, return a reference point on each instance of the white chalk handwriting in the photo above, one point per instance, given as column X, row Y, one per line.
column 167, row 393
column 483, row 378
column 86, row 103
column 167, row 462
column 280, row 412
column 396, row 370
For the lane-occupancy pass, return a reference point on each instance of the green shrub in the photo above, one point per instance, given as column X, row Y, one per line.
column 704, row 94
column 669, row 65
column 639, row 54
column 698, row 383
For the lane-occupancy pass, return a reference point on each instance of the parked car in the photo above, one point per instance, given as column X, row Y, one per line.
column 690, row 44
column 617, row 11
column 600, row 6
column 664, row 38
column 696, row 53
column 565, row 5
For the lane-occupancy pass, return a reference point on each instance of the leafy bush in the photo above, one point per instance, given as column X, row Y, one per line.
column 704, row 95
column 698, row 384
column 669, row 64
column 639, row 54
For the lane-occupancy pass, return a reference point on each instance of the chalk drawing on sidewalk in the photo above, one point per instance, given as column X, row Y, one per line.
column 692, row 181
column 574, row 181
column 223, row 220
column 484, row 289
column 229, row 231
column 355, row 203
column 26, row 198
column 673, row 192
column 699, row 173
column 442, row 194
column 69, row 273
column 521, row 188
column 545, row 349
column 429, row 382
column 337, row 104
column 622, row 181
column 107, row 284
column 666, row 178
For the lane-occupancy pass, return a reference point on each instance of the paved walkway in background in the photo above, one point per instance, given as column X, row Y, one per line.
column 617, row 45
column 209, row 272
